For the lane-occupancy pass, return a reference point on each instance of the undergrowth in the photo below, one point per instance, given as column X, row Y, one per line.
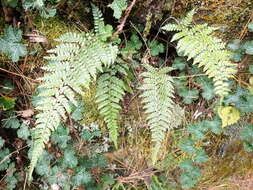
column 77, row 134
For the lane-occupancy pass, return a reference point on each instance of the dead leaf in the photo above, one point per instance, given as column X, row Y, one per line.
column 25, row 113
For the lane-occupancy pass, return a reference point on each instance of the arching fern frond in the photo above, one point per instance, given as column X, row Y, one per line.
column 110, row 91
column 158, row 104
column 197, row 42
column 72, row 66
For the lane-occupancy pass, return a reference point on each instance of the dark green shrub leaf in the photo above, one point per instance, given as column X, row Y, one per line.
column 156, row 48
column 11, row 122
column 187, row 181
column 81, row 177
column 248, row 47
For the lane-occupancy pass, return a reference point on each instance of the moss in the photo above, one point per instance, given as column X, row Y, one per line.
column 53, row 27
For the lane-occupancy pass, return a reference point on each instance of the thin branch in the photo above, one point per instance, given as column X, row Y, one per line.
column 123, row 21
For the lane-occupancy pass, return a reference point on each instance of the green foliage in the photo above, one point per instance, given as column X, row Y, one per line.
column 156, row 48
column 189, row 95
column 250, row 26
column 23, row 132
column 246, row 134
column 73, row 64
column 132, row 46
column 10, row 43
column 158, row 104
column 110, row 91
column 206, row 50
column 179, row 63
column 118, row 6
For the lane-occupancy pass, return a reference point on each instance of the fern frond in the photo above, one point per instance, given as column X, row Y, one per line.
column 198, row 43
column 158, row 104
column 72, row 66
column 110, row 91
column 98, row 19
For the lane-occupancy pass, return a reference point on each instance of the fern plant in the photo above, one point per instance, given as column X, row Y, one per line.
column 73, row 64
column 158, row 104
column 110, row 91
column 196, row 41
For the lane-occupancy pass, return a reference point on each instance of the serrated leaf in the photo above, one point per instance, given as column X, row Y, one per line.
column 214, row 125
column 10, row 44
column 23, row 132
column 70, row 160
column 118, row 6
column 179, row 63
column 61, row 136
column 187, row 145
column 201, row 157
column 156, row 48
column 229, row 115
column 81, row 177
column 196, row 130
column 189, row 95
column 11, row 122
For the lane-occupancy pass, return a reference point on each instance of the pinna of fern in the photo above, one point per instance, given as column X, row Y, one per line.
column 197, row 43
column 110, row 91
column 73, row 64
column 157, row 97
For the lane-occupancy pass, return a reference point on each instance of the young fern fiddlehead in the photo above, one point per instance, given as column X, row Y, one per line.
column 197, row 42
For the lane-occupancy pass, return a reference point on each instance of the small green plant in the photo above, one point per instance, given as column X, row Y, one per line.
column 11, row 44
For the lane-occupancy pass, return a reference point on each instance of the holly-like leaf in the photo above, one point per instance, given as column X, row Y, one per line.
column 189, row 95
column 10, row 44
column 187, row 145
column 118, row 6
column 201, row 157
